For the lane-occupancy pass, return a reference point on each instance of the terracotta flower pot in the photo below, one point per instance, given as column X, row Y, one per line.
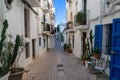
column 16, row 76
column 97, row 56
column 69, row 50
column 83, row 61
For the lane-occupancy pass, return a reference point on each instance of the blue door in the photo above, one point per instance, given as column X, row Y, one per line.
column 115, row 54
column 98, row 37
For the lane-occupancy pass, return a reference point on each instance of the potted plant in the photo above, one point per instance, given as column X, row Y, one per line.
column 69, row 50
column 65, row 46
column 81, row 18
column 84, row 58
column 5, row 49
column 9, row 52
column 16, row 72
column 89, row 50
column 96, row 53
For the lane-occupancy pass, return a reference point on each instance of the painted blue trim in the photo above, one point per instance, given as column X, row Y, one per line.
column 98, row 37
column 115, row 60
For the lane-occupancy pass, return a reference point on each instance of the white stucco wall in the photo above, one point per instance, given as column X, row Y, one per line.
column 42, row 49
column 77, row 44
column 0, row 15
column 94, row 7
column 15, row 18
column 107, row 19
column 51, row 42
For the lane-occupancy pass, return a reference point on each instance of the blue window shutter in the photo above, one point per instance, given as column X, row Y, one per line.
column 115, row 58
column 98, row 37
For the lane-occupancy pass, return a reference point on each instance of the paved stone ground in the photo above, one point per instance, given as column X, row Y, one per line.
column 56, row 65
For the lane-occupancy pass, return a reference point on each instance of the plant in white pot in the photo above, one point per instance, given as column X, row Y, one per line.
column 4, row 51
column 16, row 72
column 10, row 52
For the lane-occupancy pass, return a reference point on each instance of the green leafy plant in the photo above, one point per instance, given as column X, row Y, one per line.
column 96, row 53
column 9, row 51
column 81, row 18
column 61, row 37
column 3, row 35
column 89, row 50
column 96, row 50
column 91, row 37
column 66, row 46
column 9, row 57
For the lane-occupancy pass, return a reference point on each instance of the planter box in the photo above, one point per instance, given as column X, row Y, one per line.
column 16, row 76
column 5, row 77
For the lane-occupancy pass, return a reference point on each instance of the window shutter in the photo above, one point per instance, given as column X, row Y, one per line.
column 98, row 37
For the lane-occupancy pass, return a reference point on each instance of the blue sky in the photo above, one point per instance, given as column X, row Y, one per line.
column 60, row 8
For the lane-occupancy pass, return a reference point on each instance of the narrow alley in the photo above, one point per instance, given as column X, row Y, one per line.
column 59, row 39
column 57, row 65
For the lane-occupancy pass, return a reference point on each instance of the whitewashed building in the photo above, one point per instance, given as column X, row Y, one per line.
column 25, row 17
column 69, row 32
column 103, row 18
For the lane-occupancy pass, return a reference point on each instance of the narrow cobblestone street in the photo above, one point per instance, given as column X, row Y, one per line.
column 56, row 65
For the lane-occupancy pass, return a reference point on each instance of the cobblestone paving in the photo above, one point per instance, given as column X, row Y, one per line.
column 56, row 65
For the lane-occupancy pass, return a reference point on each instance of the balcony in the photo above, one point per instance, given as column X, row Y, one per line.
column 34, row 3
column 45, row 6
column 69, row 27
column 53, row 31
column 46, row 29
column 81, row 20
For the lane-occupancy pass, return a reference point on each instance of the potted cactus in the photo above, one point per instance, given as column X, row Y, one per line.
column 10, row 53
column 96, row 53
column 16, row 72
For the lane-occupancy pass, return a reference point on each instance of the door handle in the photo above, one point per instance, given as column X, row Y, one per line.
column 112, row 52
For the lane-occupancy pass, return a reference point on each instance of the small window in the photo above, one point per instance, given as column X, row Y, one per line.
column 26, row 22
column 44, row 43
column 84, row 5
column 27, row 47
column 108, row 38
column 39, row 41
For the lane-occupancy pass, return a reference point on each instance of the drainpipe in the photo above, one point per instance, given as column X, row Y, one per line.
column 101, row 11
